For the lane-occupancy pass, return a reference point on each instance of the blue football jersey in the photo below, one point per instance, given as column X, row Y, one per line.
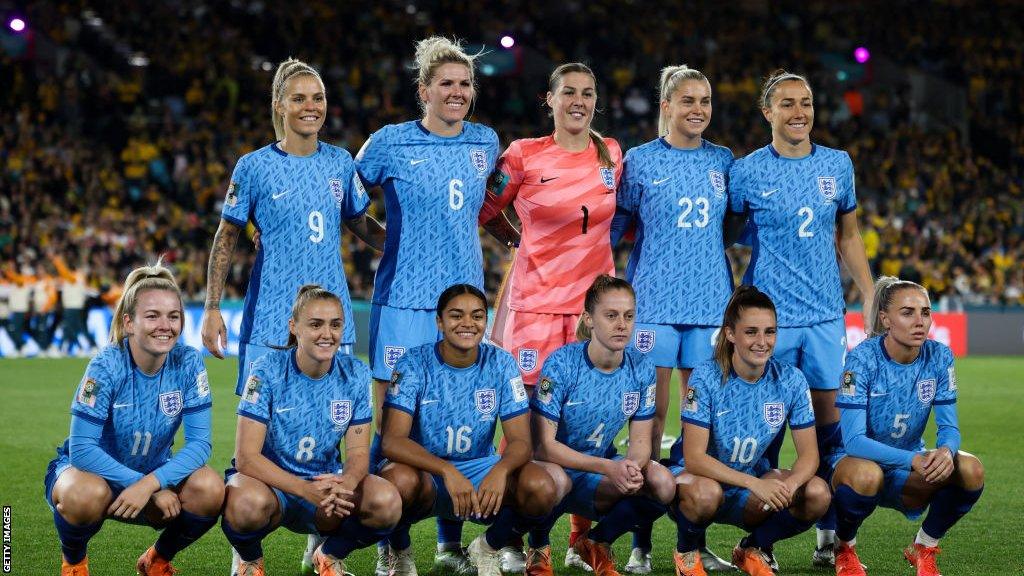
column 898, row 397
column 793, row 206
column 455, row 410
column 742, row 417
column 591, row 406
column 306, row 418
column 678, row 199
column 298, row 204
column 433, row 191
column 140, row 414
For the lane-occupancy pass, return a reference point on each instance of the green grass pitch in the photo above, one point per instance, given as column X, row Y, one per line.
column 35, row 395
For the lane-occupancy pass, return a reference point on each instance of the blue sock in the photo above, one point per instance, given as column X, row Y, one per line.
column 248, row 544
column 771, row 452
column 829, row 436
column 851, row 511
column 778, row 526
column 540, row 535
column 399, row 537
column 449, row 531
column 947, row 507
column 510, row 525
column 828, row 520
column 375, row 452
column 642, row 537
column 689, row 535
column 74, row 540
column 352, row 535
column 625, row 515
column 182, row 531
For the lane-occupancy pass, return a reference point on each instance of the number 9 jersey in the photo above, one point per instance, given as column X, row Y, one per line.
column 298, row 204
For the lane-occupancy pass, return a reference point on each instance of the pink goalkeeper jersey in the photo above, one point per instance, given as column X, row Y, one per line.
column 565, row 201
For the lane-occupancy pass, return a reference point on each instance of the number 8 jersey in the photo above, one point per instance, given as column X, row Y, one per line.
column 792, row 205
column 298, row 204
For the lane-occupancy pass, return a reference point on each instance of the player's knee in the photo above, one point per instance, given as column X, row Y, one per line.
column 863, row 476
column 700, row 498
column 406, row 481
column 381, row 506
column 249, row 510
column 86, row 502
column 816, row 498
column 203, row 493
column 536, row 492
column 971, row 470
column 661, row 483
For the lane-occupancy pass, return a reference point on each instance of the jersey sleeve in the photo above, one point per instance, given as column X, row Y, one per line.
column 551, row 390
column 406, row 385
column 801, row 411
column 736, row 189
column 696, row 407
column 356, row 199
column 647, row 384
column 512, row 392
column 373, row 159
column 362, row 400
column 257, row 393
column 848, row 198
column 94, row 394
column 628, row 197
column 945, row 389
column 855, row 381
column 197, row 386
column 503, row 185
column 240, row 200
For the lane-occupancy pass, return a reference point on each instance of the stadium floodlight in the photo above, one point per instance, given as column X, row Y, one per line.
column 507, row 41
column 861, row 54
column 16, row 24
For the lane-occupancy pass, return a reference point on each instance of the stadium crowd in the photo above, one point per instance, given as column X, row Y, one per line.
column 106, row 166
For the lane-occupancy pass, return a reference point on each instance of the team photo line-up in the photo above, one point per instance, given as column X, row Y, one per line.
column 575, row 355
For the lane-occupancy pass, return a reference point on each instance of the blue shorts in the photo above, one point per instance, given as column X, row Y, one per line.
column 892, row 492
column 675, row 345
column 249, row 353
column 734, row 499
column 580, row 499
column 819, row 352
column 474, row 470
column 297, row 515
column 61, row 464
column 395, row 330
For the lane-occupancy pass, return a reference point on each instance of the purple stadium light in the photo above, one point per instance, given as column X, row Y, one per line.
column 861, row 55
column 17, row 24
column 507, row 41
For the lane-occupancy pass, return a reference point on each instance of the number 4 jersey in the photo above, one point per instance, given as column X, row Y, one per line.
column 297, row 203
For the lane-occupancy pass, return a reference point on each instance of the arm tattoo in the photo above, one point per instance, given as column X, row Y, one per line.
column 220, row 260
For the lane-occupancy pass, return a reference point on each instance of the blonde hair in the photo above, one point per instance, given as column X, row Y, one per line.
column 671, row 78
column 603, row 155
column 309, row 293
column 886, row 288
column 602, row 284
column 287, row 70
column 772, row 82
column 436, row 51
column 155, row 277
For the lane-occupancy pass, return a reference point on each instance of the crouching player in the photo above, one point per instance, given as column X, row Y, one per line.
column 297, row 405
column 117, row 461
column 587, row 392
column 737, row 403
column 442, row 408
column 891, row 384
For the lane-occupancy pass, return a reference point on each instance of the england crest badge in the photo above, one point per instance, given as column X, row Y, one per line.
column 717, row 182
column 926, row 390
column 527, row 359
column 630, row 403
column 392, row 354
column 827, row 187
column 337, row 190
column 170, row 403
column 644, row 340
column 774, row 413
column 479, row 160
column 486, row 401
column 341, row 412
column 608, row 177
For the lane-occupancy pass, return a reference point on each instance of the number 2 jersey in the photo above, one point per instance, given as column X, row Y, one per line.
column 792, row 205
column 433, row 189
column 589, row 405
column 565, row 201
column 298, row 204
column 742, row 418
column 455, row 410
column 306, row 418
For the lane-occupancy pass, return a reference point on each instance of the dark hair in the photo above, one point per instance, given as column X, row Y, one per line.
column 602, row 284
column 745, row 297
column 307, row 294
column 603, row 155
column 886, row 288
column 772, row 82
column 451, row 292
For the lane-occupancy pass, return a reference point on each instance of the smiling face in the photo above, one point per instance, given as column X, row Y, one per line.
column 449, row 94
column 463, row 321
column 317, row 331
column 753, row 339
column 154, row 328
column 908, row 317
column 611, row 324
column 791, row 113
column 303, row 106
column 688, row 109
column 572, row 102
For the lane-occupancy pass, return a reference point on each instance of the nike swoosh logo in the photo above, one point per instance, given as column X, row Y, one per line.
column 662, row 181
column 768, row 193
column 122, row 405
column 279, row 410
column 571, row 403
column 722, row 413
column 425, row 402
column 418, row 161
column 544, row 180
column 279, row 194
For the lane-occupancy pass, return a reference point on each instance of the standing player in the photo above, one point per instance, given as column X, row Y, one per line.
column 891, row 384
column 801, row 203
column 562, row 187
column 117, row 463
column 297, row 406
column 588, row 391
column 296, row 192
column 443, row 405
column 433, row 173
column 736, row 405
column 674, row 191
